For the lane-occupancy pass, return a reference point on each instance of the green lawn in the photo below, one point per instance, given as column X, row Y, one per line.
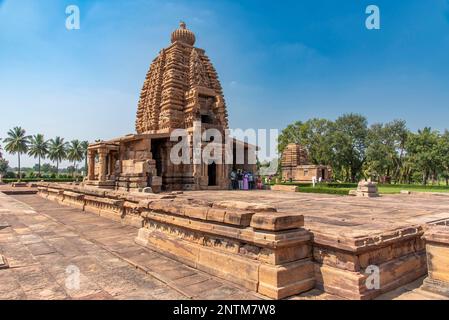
column 344, row 188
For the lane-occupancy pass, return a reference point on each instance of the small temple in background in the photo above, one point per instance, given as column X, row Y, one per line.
column 296, row 166
column 181, row 90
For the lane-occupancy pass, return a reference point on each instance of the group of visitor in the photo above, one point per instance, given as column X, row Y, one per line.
column 245, row 180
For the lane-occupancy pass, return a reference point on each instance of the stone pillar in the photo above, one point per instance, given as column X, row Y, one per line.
column 367, row 189
column 437, row 248
column 112, row 165
column 102, row 165
column 91, row 165
column 109, row 167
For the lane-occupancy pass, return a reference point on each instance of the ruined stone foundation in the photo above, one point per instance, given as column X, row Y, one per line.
column 251, row 245
column 259, row 248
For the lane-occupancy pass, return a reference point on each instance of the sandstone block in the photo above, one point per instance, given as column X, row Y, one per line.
column 239, row 218
column 217, row 215
column 282, row 281
column 285, row 188
column 230, row 267
column 196, row 212
column 437, row 248
column 276, row 221
column 247, row 206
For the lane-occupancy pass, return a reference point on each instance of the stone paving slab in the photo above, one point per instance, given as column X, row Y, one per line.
column 343, row 219
column 44, row 238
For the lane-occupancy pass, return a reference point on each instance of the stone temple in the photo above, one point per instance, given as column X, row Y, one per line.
column 181, row 90
column 213, row 244
column 297, row 167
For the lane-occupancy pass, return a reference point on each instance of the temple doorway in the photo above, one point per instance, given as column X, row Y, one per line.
column 156, row 150
column 212, row 174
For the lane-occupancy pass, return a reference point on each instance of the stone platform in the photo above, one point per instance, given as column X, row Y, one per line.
column 41, row 238
column 350, row 234
column 265, row 248
column 44, row 238
column 10, row 190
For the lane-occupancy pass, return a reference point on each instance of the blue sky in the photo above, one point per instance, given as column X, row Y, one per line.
column 278, row 61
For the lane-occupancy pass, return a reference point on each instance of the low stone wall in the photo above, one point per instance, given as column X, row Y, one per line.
column 346, row 269
column 255, row 246
column 437, row 247
column 249, row 244
column 119, row 206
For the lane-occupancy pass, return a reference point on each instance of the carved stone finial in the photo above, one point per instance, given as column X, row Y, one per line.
column 182, row 34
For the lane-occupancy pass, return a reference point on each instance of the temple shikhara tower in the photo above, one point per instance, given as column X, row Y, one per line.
column 181, row 90
column 181, row 87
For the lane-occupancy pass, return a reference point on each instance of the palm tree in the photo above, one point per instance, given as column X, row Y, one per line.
column 57, row 151
column 38, row 148
column 17, row 142
column 75, row 153
column 85, row 145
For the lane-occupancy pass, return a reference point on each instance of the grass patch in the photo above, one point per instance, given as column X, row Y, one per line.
column 324, row 190
column 344, row 188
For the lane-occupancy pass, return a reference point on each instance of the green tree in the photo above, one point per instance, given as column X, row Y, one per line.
column 38, row 148
column 317, row 139
column 385, row 149
column 4, row 165
column 422, row 149
column 57, row 151
column 17, row 143
column 293, row 133
column 48, row 168
column 85, row 146
column 443, row 154
column 314, row 135
column 349, row 137
column 75, row 153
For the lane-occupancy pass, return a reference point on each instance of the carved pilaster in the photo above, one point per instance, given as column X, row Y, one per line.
column 91, row 164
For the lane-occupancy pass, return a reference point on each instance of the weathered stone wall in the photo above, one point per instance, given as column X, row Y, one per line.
column 257, row 247
column 437, row 248
column 251, row 245
column 345, row 272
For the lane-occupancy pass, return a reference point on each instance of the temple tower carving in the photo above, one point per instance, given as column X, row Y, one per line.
column 181, row 87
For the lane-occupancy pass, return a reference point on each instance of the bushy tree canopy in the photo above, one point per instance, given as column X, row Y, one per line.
column 387, row 151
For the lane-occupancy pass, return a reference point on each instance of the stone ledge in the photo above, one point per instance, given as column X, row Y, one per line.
column 369, row 242
column 276, row 221
column 352, row 285
column 280, row 187
column 438, row 234
column 436, row 286
column 437, row 248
